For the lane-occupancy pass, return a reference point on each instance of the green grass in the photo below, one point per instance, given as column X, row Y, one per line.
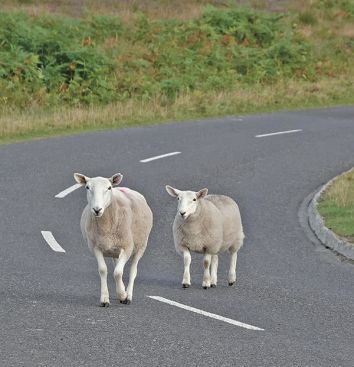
column 337, row 206
column 151, row 62
column 338, row 219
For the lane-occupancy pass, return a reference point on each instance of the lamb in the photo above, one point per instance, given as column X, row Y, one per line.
column 207, row 224
column 116, row 223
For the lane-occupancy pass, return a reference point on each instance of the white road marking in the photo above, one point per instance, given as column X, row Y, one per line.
column 159, row 157
column 53, row 244
column 67, row 191
column 205, row 313
column 278, row 133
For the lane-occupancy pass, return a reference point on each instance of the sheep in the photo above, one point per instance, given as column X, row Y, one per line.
column 116, row 222
column 207, row 224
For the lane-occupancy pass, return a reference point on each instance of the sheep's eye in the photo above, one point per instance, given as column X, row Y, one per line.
column 177, row 198
column 194, row 199
column 110, row 188
column 87, row 188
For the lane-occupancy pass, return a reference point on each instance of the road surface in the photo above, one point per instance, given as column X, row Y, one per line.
column 301, row 294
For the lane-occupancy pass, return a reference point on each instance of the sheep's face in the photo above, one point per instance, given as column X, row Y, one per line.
column 99, row 191
column 187, row 200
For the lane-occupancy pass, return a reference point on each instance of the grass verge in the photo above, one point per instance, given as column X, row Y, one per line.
column 37, row 122
column 337, row 206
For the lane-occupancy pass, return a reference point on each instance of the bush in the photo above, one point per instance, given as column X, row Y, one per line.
column 51, row 60
column 307, row 18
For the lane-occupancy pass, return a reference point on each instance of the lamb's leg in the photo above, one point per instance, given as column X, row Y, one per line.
column 206, row 277
column 186, row 282
column 214, row 270
column 118, row 276
column 132, row 275
column 232, row 271
column 102, row 270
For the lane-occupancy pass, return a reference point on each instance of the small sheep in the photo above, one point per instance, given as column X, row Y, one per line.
column 207, row 224
column 116, row 223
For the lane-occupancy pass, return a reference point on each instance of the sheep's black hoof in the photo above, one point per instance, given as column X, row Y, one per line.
column 126, row 301
column 104, row 304
column 231, row 283
column 213, row 285
column 185, row 285
column 205, row 287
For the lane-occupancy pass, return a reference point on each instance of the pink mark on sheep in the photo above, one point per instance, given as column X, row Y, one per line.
column 124, row 191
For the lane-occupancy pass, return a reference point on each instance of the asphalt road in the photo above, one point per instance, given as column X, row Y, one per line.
column 301, row 294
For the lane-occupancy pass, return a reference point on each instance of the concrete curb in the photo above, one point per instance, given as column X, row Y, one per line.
column 328, row 238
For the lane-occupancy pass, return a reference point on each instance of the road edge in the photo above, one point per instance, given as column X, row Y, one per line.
column 327, row 237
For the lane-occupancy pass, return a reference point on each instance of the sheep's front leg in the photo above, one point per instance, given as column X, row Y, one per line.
column 232, row 271
column 132, row 275
column 206, row 277
column 102, row 270
column 186, row 282
column 118, row 276
column 214, row 270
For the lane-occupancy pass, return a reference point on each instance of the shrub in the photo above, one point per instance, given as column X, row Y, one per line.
column 52, row 60
column 307, row 18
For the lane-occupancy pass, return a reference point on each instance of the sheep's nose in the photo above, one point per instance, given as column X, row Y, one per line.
column 97, row 211
column 182, row 213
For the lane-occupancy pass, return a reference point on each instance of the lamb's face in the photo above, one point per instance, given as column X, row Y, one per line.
column 187, row 200
column 99, row 195
column 99, row 191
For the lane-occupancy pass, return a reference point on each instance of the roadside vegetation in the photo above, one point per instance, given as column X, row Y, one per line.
column 71, row 66
column 337, row 206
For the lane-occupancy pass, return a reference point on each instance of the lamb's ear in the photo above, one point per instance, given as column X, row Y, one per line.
column 202, row 193
column 116, row 179
column 80, row 179
column 172, row 191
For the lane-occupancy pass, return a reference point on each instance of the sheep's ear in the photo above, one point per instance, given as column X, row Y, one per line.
column 172, row 191
column 116, row 179
column 80, row 179
column 202, row 193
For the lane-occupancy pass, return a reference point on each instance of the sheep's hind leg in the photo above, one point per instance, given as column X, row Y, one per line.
column 132, row 275
column 118, row 276
column 186, row 282
column 214, row 270
column 206, row 277
column 232, row 271
column 102, row 270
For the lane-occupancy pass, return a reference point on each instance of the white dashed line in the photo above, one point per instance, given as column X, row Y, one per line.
column 204, row 313
column 53, row 244
column 159, row 157
column 68, row 191
column 278, row 133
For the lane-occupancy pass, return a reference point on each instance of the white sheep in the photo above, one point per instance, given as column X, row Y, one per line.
column 207, row 224
column 116, row 223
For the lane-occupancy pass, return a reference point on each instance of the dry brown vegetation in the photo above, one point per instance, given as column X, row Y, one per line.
column 127, row 9
column 342, row 190
column 16, row 125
